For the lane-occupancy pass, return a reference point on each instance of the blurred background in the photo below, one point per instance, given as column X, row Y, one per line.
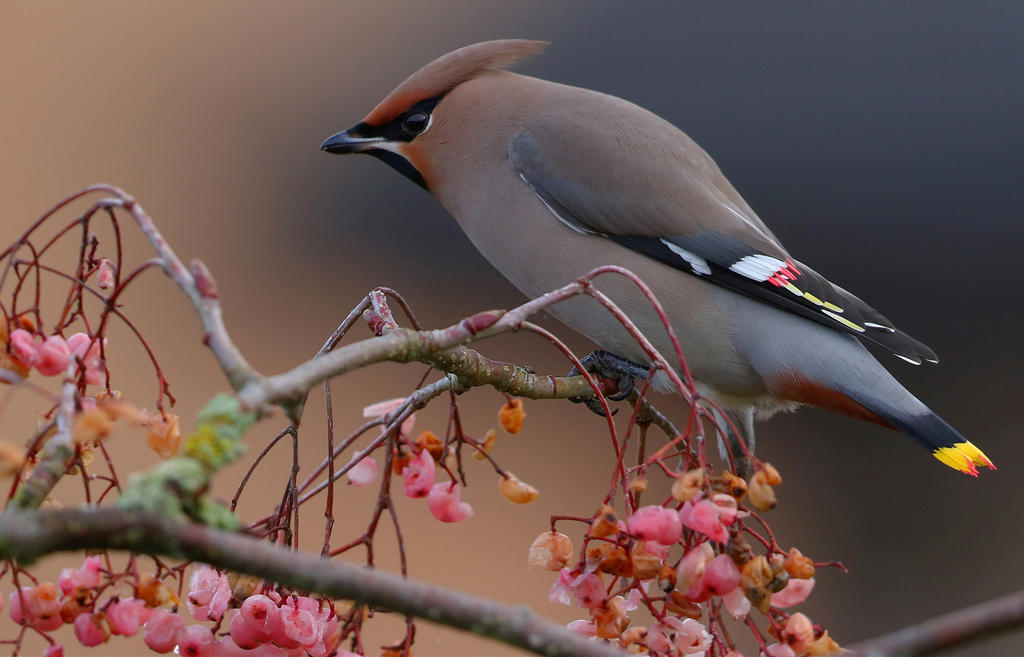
column 881, row 141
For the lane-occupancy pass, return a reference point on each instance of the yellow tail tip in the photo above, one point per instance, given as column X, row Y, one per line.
column 964, row 457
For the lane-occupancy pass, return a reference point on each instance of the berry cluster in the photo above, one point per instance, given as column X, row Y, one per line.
column 259, row 622
column 628, row 564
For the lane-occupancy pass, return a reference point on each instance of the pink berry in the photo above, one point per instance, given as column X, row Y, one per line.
column 16, row 599
column 656, row 549
column 87, row 349
column 196, row 641
column 126, row 616
column 657, row 639
column 779, row 650
column 79, row 343
column 445, row 502
column 655, row 523
column 53, row 356
column 42, row 607
column 163, row 630
column 244, row 634
column 583, row 628
column 261, row 614
column 105, row 275
column 796, row 591
column 560, row 589
column 363, row 473
column 226, row 647
column 209, row 594
column 88, row 630
column 737, row 603
column 704, row 516
column 330, row 636
column 589, row 590
column 691, row 568
column 270, row 650
column 89, row 573
column 721, row 575
column 55, row 650
column 692, row 637
column 419, row 475
column 380, row 409
column 23, row 347
column 299, row 625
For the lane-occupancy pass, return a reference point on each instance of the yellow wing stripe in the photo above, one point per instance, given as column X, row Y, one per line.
column 813, row 299
column 792, row 288
column 845, row 322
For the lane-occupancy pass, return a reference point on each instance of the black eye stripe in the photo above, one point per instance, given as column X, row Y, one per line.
column 397, row 130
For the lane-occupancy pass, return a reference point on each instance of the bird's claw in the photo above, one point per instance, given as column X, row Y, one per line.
column 609, row 366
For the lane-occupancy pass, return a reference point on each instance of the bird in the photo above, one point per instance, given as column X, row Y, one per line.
column 549, row 181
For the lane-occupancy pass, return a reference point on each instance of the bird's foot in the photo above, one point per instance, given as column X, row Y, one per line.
column 615, row 370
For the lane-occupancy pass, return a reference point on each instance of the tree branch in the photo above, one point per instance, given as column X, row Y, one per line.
column 29, row 535
column 948, row 630
column 56, row 454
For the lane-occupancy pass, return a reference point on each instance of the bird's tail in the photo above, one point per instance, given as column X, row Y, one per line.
column 857, row 385
column 946, row 443
column 889, row 404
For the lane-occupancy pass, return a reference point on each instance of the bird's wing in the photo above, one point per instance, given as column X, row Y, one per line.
column 673, row 205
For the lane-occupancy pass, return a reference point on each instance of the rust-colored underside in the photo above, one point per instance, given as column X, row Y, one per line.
column 796, row 387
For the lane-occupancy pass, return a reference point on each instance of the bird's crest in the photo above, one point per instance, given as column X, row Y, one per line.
column 448, row 71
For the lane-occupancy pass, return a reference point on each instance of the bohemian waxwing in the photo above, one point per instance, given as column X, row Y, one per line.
column 550, row 181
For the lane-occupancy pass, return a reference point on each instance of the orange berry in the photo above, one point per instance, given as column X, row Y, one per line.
column 13, row 364
column 798, row 566
column 163, row 435
column 605, row 523
column 609, row 558
column 154, row 592
column 430, row 442
column 490, row 440
column 732, row 485
column 511, row 416
column 756, row 573
column 634, row 635
column 798, row 632
column 771, row 475
column 25, row 321
column 12, row 458
column 91, row 427
column 688, row 484
column 516, row 491
column 242, row 585
column 677, row 603
column 760, row 492
column 667, row 578
column 755, row 576
column 400, row 458
column 70, row 608
column 645, row 564
column 611, row 619
column 550, row 550
column 823, row 645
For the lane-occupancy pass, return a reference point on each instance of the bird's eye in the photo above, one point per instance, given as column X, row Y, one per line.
column 415, row 122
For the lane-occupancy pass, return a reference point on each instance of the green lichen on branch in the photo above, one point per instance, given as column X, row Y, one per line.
column 178, row 488
column 217, row 440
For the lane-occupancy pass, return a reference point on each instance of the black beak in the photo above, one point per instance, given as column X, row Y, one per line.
column 344, row 142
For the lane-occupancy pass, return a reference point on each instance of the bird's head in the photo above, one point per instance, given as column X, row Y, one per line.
column 398, row 129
